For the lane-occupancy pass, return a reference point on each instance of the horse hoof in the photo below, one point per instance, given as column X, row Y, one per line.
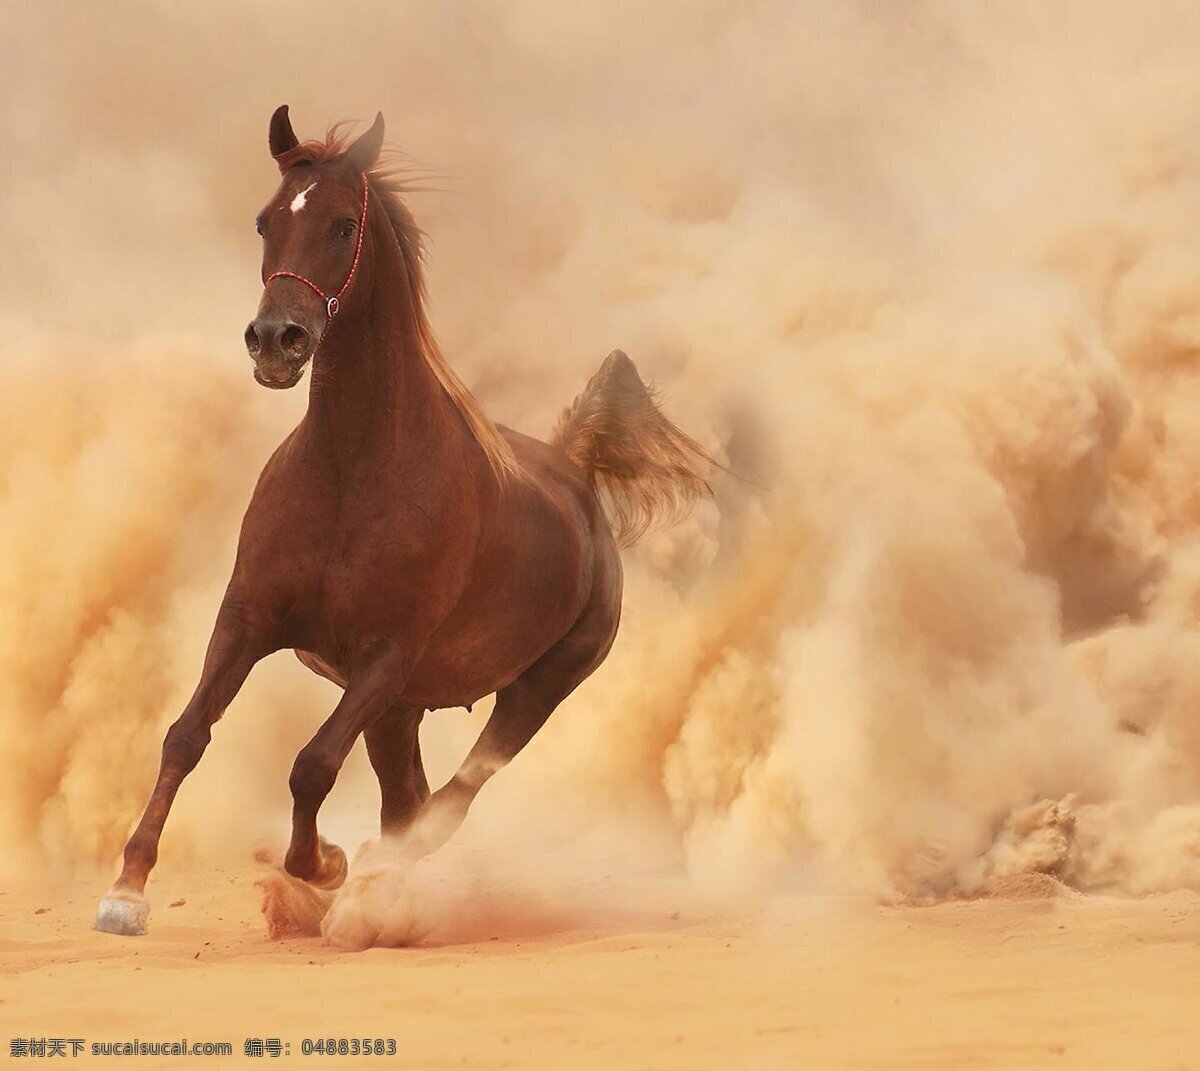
column 124, row 913
column 334, row 867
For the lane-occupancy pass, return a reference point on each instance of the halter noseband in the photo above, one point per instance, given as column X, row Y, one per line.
column 332, row 304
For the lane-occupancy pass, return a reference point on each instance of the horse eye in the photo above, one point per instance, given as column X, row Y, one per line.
column 259, row 227
column 346, row 229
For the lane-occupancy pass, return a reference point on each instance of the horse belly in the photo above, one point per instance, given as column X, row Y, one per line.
column 460, row 667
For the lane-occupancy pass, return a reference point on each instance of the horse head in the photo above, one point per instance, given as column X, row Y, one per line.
column 314, row 230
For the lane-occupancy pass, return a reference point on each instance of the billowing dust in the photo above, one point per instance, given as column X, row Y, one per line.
column 927, row 276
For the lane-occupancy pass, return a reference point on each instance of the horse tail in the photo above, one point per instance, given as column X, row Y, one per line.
column 642, row 468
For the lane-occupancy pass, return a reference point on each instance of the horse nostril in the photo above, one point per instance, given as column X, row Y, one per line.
column 293, row 340
column 252, row 342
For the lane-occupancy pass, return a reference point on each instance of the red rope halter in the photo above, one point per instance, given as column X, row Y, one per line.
column 332, row 304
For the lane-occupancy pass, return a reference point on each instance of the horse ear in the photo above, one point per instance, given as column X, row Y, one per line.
column 281, row 138
column 365, row 151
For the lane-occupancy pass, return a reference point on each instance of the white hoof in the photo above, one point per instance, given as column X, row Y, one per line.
column 124, row 913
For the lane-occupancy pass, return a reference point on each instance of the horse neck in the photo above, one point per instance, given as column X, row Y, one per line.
column 374, row 397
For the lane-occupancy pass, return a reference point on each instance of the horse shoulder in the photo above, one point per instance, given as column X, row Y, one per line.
column 280, row 538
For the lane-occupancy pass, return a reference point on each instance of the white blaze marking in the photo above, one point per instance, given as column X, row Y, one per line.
column 298, row 200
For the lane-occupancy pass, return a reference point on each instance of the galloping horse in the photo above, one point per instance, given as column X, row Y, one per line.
column 399, row 542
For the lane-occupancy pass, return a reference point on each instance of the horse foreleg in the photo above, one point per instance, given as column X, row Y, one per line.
column 314, row 772
column 394, row 749
column 230, row 657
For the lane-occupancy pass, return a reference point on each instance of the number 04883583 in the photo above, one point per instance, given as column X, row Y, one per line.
column 348, row 1047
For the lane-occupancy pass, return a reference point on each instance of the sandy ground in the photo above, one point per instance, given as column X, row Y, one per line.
column 1069, row 982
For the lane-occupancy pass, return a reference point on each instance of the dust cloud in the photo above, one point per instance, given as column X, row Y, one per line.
column 926, row 275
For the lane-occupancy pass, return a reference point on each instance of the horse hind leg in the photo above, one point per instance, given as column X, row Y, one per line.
column 394, row 748
column 521, row 709
column 419, row 779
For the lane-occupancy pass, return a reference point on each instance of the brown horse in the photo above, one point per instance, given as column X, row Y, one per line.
column 400, row 543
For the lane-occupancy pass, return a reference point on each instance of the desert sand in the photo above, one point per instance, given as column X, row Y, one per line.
column 1059, row 982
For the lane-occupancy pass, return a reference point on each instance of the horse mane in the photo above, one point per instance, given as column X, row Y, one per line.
column 389, row 180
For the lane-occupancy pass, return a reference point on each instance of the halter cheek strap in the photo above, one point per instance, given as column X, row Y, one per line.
column 334, row 302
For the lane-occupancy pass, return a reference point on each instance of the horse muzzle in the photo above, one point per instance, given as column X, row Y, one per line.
column 280, row 350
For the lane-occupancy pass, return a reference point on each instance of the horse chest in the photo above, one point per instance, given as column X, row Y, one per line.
column 375, row 572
